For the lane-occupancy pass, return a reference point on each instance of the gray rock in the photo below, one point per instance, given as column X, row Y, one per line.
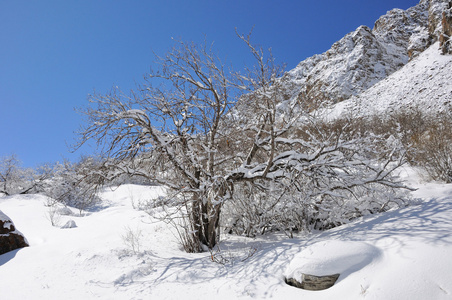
column 313, row 283
column 69, row 224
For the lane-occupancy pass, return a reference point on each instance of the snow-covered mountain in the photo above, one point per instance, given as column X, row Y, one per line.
column 424, row 83
column 365, row 57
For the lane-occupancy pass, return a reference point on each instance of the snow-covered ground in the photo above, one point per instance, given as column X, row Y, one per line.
column 402, row 254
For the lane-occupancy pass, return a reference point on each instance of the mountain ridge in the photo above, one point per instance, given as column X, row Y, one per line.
column 364, row 57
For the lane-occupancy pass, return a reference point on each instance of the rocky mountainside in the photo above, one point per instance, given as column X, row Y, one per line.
column 425, row 83
column 366, row 56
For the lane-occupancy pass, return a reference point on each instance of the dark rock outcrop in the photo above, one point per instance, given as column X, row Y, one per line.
column 312, row 282
column 10, row 238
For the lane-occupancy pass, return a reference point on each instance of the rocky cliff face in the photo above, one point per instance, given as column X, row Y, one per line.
column 405, row 32
column 423, row 83
column 366, row 56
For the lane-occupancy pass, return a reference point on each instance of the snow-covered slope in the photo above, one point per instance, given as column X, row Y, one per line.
column 352, row 65
column 365, row 57
column 424, row 83
column 402, row 254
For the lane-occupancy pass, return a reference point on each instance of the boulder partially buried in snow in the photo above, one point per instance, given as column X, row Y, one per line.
column 69, row 224
column 10, row 238
column 319, row 266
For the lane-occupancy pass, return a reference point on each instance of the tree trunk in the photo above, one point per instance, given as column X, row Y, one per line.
column 211, row 231
column 205, row 219
column 196, row 218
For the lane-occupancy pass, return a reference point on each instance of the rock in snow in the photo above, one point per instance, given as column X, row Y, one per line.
column 69, row 224
column 10, row 238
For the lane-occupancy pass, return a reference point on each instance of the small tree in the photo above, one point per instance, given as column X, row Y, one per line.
column 76, row 184
column 202, row 130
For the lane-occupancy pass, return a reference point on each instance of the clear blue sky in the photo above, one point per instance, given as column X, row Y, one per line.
column 54, row 53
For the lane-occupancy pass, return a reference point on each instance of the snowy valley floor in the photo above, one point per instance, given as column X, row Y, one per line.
column 402, row 254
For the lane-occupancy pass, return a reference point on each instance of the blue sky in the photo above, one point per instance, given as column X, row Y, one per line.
column 54, row 53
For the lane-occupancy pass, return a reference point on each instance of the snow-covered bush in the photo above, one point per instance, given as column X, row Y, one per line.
column 17, row 180
column 340, row 179
column 75, row 184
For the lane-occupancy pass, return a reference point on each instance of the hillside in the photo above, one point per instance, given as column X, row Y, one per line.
column 366, row 56
column 424, row 82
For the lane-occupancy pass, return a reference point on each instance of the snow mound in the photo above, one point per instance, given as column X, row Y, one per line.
column 65, row 211
column 69, row 224
column 332, row 257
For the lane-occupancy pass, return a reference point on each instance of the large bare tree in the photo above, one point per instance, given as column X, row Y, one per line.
column 199, row 128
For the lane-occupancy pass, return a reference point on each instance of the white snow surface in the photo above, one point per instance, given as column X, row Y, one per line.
column 319, row 260
column 424, row 83
column 402, row 254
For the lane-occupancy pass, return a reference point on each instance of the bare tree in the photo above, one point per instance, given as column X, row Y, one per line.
column 200, row 129
column 175, row 129
column 76, row 184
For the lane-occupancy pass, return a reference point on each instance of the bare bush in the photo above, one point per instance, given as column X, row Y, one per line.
column 426, row 137
column 53, row 213
column 186, row 233
column 75, row 184
column 433, row 148
column 132, row 239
